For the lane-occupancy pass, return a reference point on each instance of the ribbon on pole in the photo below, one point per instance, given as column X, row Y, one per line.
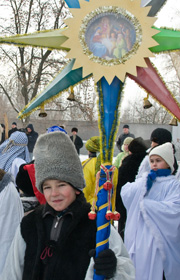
column 109, row 100
column 103, row 225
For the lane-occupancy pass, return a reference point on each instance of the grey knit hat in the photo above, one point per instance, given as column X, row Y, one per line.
column 56, row 158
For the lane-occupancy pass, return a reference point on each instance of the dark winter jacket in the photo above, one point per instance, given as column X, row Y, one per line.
column 12, row 131
column 78, row 143
column 69, row 248
column 127, row 173
column 32, row 137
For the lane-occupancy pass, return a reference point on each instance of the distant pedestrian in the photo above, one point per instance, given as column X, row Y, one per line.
column 13, row 129
column 32, row 137
column 123, row 136
column 76, row 139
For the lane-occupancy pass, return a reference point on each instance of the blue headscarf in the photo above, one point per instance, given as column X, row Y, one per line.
column 153, row 174
column 14, row 147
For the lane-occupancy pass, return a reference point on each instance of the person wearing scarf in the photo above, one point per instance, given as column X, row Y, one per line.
column 159, row 136
column 14, row 152
column 152, row 231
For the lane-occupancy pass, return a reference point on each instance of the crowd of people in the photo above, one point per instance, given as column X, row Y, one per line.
column 47, row 193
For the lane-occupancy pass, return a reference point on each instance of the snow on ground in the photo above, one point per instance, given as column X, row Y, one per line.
column 83, row 157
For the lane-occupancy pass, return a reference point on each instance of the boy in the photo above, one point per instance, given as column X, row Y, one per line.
column 152, row 230
column 53, row 241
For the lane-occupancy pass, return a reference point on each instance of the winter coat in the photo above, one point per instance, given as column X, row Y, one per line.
column 78, row 142
column 89, row 166
column 127, row 173
column 152, row 232
column 12, row 131
column 69, row 248
column 32, row 137
column 11, row 213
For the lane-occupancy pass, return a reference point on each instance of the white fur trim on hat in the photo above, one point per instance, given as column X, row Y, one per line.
column 166, row 152
column 56, row 158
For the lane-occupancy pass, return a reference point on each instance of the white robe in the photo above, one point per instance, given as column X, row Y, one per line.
column 152, row 232
column 11, row 213
column 144, row 167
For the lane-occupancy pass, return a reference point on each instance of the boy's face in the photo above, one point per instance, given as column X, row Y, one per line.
column 157, row 162
column 59, row 195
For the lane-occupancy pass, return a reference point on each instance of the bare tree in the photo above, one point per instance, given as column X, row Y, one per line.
column 83, row 108
column 29, row 69
column 135, row 113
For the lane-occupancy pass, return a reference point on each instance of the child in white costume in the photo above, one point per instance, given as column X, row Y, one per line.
column 152, row 232
column 11, row 213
